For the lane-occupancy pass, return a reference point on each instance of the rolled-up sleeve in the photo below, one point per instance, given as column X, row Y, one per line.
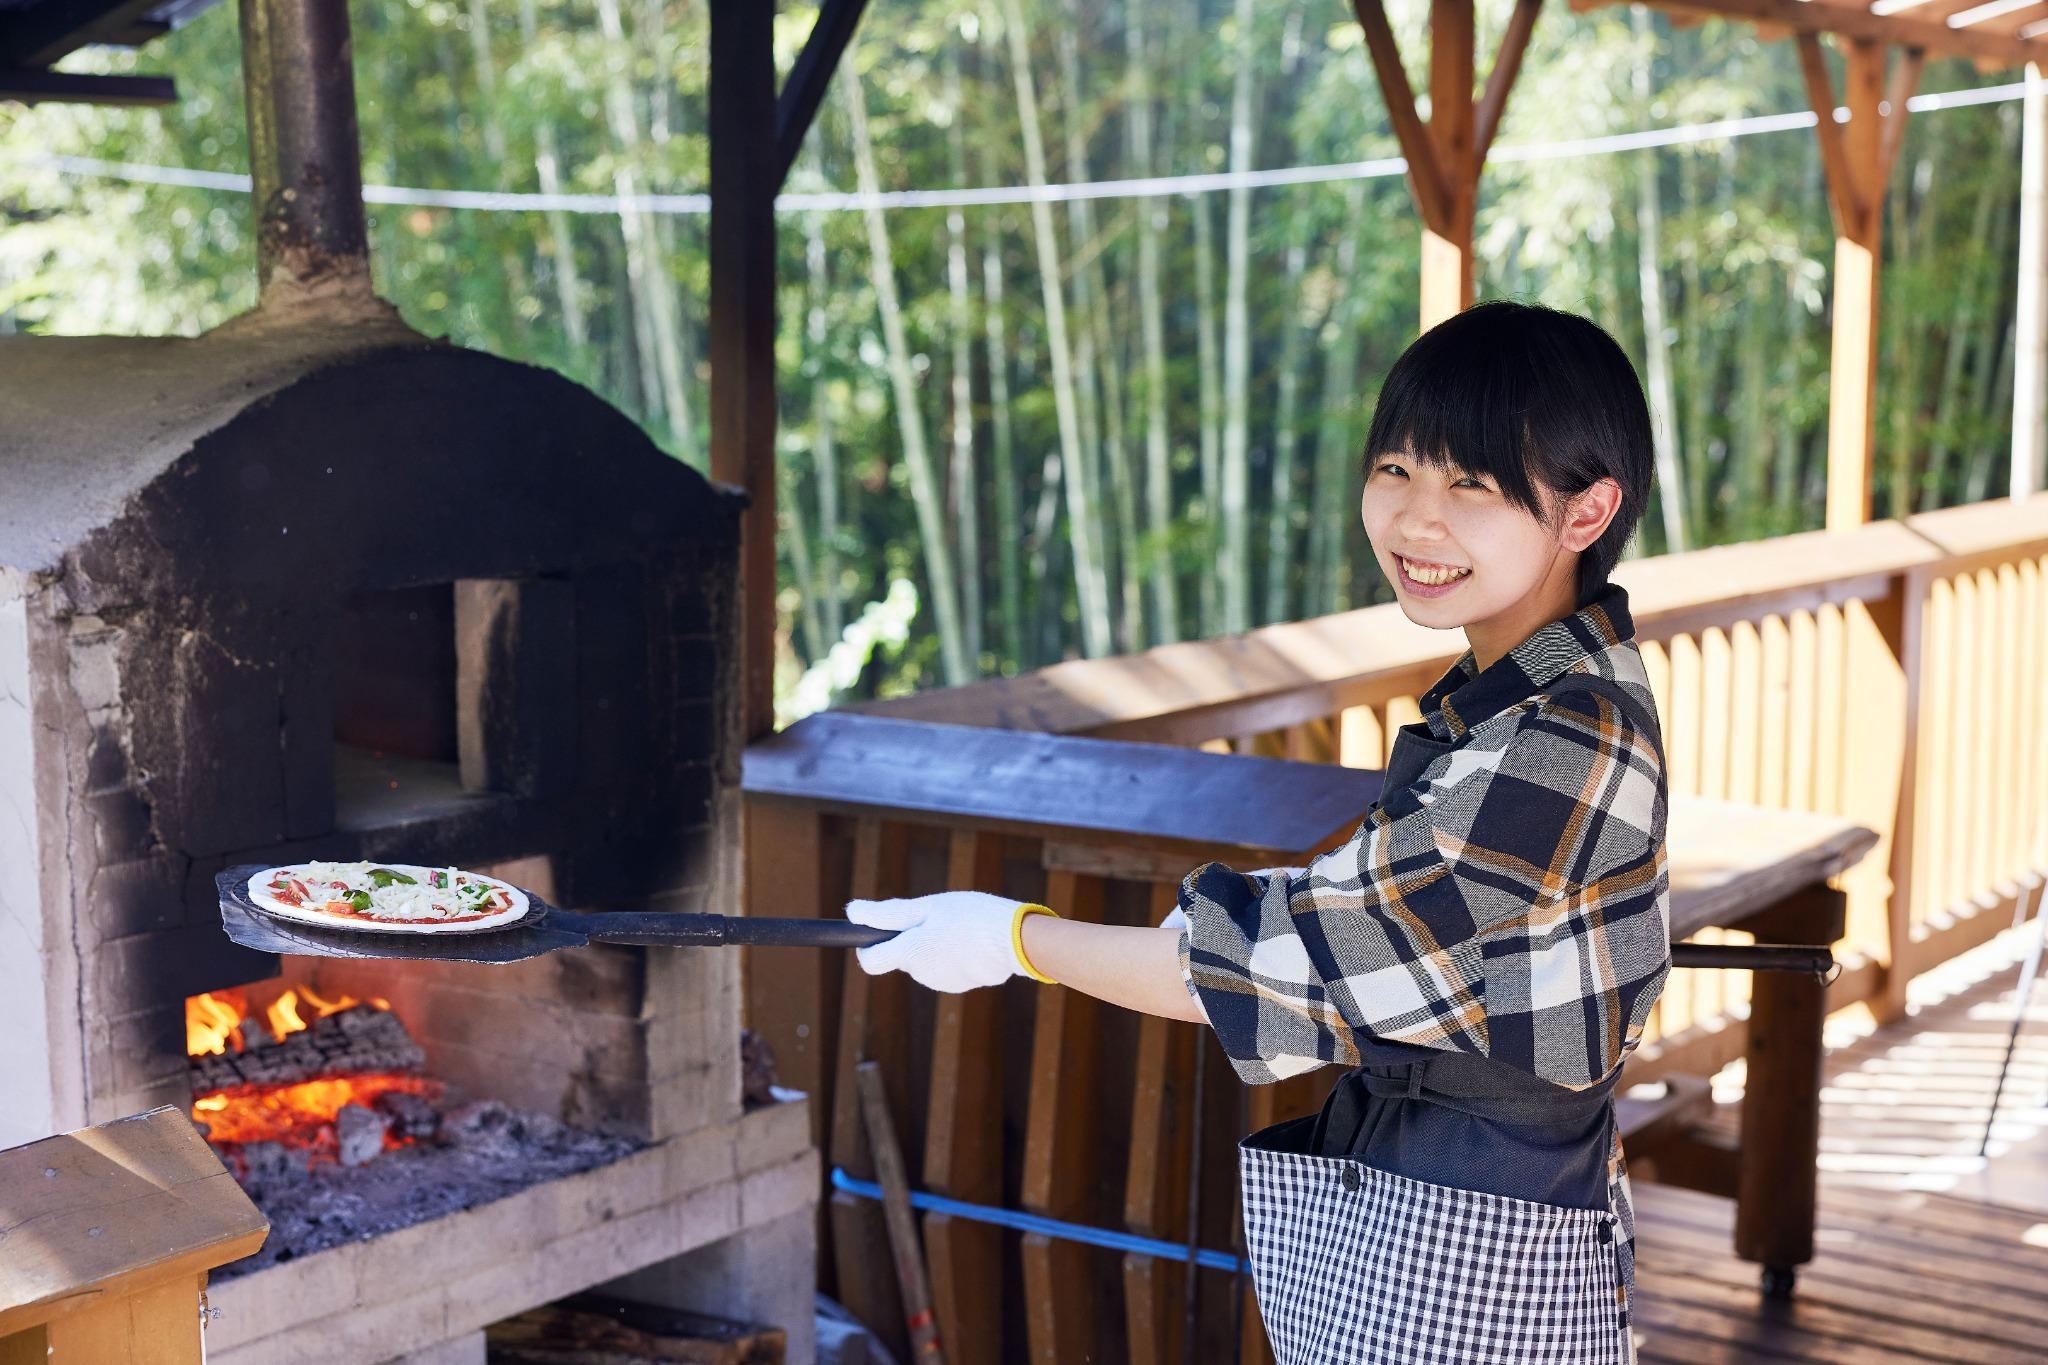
column 1519, row 912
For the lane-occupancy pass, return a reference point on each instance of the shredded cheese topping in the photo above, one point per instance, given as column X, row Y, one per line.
column 389, row 891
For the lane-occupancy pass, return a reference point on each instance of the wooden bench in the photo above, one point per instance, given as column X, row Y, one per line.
column 844, row 804
column 106, row 1238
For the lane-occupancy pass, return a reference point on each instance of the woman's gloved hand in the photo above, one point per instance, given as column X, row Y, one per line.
column 953, row 941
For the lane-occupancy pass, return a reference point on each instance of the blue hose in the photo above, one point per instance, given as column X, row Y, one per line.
column 1047, row 1227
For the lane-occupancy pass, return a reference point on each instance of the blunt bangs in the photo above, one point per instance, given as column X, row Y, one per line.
column 1534, row 400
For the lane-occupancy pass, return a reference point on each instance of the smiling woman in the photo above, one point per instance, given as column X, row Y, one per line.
column 1482, row 954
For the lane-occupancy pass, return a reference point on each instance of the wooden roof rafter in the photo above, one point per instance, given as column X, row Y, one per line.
column 1929, row 26
column 1858, row 157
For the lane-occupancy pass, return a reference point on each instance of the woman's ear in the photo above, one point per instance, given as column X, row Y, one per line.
column 1588, row 512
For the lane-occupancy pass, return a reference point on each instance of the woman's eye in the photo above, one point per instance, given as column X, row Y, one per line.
column 1393, row 469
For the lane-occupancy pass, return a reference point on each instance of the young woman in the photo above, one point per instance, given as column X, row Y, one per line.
column 1484, row 950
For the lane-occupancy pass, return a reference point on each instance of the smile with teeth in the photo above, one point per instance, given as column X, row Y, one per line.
column 1431, row 574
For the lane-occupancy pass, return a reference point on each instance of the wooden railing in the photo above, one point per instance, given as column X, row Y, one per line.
column 1893, row 675
column 1896, row 674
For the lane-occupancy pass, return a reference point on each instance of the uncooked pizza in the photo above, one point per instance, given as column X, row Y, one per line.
column 387, row 897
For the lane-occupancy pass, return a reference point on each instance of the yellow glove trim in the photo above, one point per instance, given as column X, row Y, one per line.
column 1017, row 940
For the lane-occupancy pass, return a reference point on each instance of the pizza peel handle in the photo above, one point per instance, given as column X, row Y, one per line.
column 704, row 931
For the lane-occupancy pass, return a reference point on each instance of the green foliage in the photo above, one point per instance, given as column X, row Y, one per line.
column 1740, row 253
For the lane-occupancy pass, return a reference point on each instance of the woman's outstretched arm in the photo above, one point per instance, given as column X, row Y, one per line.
column 1138, row 969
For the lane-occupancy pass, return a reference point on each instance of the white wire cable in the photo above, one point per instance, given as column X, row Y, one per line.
column 491, row 201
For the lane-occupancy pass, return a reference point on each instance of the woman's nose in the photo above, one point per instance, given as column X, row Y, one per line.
column 1419, row 517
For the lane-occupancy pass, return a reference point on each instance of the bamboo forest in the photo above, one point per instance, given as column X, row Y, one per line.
column 1083, row 306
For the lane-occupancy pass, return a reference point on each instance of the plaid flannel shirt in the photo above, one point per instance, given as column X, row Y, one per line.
column 1513, row 902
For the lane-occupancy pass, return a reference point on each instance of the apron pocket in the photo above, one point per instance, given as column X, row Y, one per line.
column 1354, row 1264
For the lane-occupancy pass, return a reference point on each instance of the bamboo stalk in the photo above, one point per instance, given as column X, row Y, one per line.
column 1089, row 579
column 1151, row 219
column 936, row 547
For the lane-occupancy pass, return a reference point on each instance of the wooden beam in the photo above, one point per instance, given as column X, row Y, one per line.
column 742, row 118
column 2012, row 20
column 1425, row 176
column 1898, row 91
column 71, row 87
column 1902, row 28
column 1447, row 246
column 798, row 104
column 1506, row 64
column 42, row 34
column 1834, row 155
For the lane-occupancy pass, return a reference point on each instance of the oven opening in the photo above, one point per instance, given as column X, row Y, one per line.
column 396, row 736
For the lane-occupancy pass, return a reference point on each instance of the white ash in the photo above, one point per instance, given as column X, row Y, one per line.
column 358, row 1135
column 483, row 1151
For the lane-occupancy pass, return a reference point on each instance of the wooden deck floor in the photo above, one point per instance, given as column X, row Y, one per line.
column 1926, row 1252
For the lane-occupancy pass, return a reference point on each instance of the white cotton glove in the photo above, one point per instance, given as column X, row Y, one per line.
column 1177, row 918
column 953, row 941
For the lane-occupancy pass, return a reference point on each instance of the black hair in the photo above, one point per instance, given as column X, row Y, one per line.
column 1524, row 395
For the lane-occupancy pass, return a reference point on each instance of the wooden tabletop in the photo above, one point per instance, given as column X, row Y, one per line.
column 1727, row 860
column 1058, row 785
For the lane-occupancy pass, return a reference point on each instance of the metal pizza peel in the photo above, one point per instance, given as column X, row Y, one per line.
column 543, row 929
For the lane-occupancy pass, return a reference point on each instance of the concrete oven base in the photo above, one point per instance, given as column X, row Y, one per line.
column 724, row 1214
column 467, row 1349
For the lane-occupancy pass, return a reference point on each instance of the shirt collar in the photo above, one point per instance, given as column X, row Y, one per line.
column 1467, row 695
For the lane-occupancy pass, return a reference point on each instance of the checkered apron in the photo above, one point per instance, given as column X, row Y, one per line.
column 1354, row 1264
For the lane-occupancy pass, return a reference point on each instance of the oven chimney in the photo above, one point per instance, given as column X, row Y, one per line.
column 305, row 159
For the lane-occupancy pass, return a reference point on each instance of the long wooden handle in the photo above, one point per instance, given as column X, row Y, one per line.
column 895, row 1183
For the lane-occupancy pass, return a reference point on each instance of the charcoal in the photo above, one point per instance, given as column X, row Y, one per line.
column 477, row 1121
column 411, row 1115
column 757, row 1069
column 316, row 1204
column 358, row 1134
column 270, row 1160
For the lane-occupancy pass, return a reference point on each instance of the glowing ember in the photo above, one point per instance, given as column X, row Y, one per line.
column 300, row 1115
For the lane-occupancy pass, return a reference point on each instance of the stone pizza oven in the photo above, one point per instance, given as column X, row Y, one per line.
column 342, row 592
column 314, row 586
column 349, row 595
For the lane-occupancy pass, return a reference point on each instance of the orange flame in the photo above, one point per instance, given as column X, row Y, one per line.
column 213, row 1022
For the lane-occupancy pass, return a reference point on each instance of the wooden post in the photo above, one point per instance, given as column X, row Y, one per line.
column 1857, row 158
column 1446, row 153
column 2030, row 344
column 116, row 1227
column 742, row 128
column 1778, row 1187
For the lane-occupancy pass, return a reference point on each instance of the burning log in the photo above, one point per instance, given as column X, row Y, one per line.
column 361, row 1038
